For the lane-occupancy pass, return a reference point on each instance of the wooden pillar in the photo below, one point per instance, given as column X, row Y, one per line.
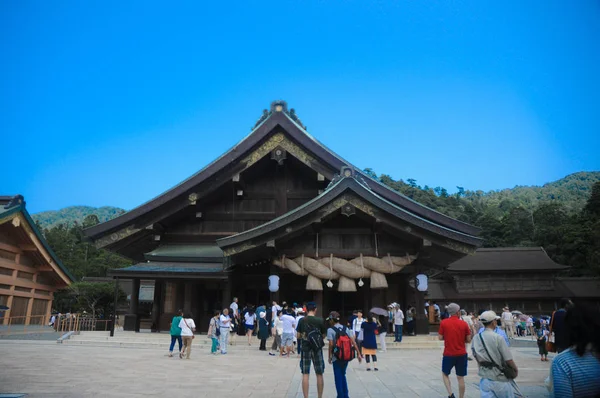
column 30, row 303
column 226, row 291
column 156, row 304
column 9, row 302
column 49, row 309
column 135, row 297
column 187, row 298
column 421, row 321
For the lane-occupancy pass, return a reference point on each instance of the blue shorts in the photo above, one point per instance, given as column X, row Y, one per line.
column 249, row 327
column 459, row 364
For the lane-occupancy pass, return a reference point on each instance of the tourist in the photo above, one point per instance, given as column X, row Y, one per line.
column 382, row 328
column 249, row 321
column 369, row 341
column 398, row 324
column 213, row 332
column 356, row 323
column 558, row 327
column 277, row 332
column 274, row 310
column 576, row 370
column 542, row 339
column 310, row 329
column 492, row 354
column 224, row 330
column 287, row 337
column 529, row 325
column 263, row 330
column 411, row 313
column 455, row 333
column 469, row 321
column 437, row 312
column 301, row 315
column 234, row 312
column 176, row 332
column 445, row 314
column 351, row 319
column 336, row 357
column 188, row 327
column 498, row 330
column 508, row 323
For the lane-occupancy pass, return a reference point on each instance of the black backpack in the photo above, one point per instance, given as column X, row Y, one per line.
column 314, row 337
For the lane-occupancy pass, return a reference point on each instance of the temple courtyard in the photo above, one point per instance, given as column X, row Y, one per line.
column 43, row 368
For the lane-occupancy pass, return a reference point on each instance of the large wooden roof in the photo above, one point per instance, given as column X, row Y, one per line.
column 493, row 259
column 350, row 193
column 277, row 121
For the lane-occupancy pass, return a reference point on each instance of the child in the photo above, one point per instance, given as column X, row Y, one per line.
column 213, row 328
column 542, row 337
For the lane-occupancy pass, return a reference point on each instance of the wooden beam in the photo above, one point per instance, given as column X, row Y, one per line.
column 9, row 248
column 9, row 264
column 28, row 248
column 8, row 280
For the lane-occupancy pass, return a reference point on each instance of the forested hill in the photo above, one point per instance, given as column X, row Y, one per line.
column 72, row 214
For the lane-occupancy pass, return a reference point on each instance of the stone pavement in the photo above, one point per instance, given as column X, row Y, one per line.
column 50, row 370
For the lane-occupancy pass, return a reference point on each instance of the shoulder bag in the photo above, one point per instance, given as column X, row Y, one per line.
column 508, row 371
column 550, row 343
column 188, row 326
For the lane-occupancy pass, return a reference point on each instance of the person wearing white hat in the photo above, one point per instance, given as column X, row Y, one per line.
column 492, row 354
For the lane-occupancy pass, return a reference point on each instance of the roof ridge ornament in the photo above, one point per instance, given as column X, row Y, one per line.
column 279, row 106
column 15, row 201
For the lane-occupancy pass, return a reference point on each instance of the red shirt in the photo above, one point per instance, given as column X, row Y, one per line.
column 455, row 331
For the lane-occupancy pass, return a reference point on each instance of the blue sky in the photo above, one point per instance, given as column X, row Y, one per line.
column 106, row 103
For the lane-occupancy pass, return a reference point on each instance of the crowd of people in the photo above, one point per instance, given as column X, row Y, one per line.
column 485, row 338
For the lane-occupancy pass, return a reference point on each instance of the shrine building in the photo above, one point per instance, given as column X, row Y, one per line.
column 30, row 272
column 280, row 203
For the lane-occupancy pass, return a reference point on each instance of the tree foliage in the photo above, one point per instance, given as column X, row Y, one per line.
column 95, row 298
column 563, row 217
column 82, row 258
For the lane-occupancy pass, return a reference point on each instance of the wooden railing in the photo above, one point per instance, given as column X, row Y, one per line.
column 62, row 324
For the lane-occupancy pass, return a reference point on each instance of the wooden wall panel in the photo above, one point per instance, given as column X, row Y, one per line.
column 19, row 310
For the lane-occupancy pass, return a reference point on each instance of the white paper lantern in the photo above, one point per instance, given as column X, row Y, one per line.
column 273, row 283
column 421, row 281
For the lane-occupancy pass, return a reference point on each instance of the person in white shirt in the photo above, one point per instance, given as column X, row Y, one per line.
column 188, row 327
column 274, row 310
column 398, row 324
column 249, row 321
column 469, row 321
column 234, row 308
column 508, row 323
column 224, row 329
column 287, row 338
column 277, row 332
column 529, row 325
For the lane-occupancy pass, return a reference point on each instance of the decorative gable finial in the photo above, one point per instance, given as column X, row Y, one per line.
column 279, row 106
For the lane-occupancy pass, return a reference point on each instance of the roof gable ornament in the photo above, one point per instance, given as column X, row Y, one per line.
column 279, row 106
column 15, row 201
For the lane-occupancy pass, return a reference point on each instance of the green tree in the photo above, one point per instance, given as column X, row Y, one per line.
column 98, row 298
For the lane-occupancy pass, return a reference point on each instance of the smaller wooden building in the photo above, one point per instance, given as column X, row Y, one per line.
column 30, row 272
column 522, row 278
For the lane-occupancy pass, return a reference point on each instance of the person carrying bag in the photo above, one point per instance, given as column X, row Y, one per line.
column 188, row 327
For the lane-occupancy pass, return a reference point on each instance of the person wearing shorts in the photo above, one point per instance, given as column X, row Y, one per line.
column 456, row 334
column 308, row 354
column 287, row 338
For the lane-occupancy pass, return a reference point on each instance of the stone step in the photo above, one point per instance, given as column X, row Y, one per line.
column 205, row 345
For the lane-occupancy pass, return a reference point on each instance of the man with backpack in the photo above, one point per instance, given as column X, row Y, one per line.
column 342, row 349
column 311, row 330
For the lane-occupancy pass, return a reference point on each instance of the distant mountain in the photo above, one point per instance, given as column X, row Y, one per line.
column 72, row 214
column 571, row 191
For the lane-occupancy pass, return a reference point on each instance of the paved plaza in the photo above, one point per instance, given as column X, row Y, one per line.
column 45, row 369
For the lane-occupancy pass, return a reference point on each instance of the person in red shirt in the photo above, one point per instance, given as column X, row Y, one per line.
column 455, row 333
